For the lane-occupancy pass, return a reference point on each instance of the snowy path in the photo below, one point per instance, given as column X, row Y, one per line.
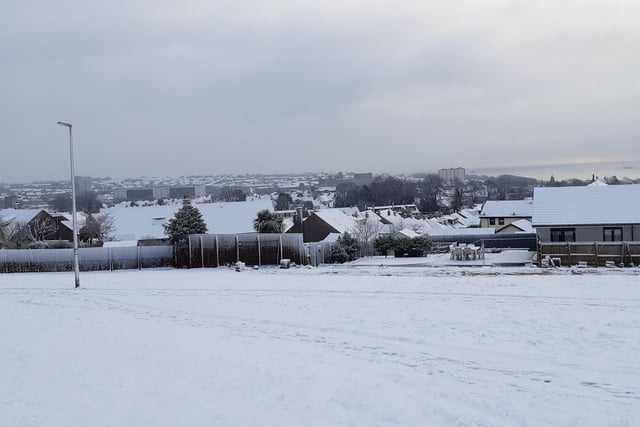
column 320, row 347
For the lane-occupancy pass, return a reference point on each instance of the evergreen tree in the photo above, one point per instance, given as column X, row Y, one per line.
column 345, row 249
column 384, row 243
column 188, row 220
column 415, row 246
column 284, row 201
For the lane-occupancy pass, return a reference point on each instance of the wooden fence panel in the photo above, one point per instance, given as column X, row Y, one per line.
column 595, row 254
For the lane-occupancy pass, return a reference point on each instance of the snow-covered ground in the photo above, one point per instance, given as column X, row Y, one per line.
column 505, row 257
column 366, row 346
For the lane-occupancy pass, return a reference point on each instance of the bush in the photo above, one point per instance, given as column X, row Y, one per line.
column 412, row 247
column 384, row 244
column 345, row 249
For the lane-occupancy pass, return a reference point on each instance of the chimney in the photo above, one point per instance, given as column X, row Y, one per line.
column 299, row 219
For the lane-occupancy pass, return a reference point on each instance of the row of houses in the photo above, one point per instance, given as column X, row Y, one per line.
column 555, row 214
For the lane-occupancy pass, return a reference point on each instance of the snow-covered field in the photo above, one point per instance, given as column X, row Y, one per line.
column 365, row 346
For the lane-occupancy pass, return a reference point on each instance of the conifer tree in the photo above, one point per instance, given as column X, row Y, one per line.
column 345, row 249
column 188, row 220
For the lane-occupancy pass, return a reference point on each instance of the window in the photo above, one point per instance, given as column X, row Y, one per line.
column 612, row 234
column 500, row 221
column 492, row 221
column 563, row 234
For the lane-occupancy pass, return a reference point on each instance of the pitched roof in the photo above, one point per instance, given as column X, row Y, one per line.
column 522, row 224
column 19, row 216
column 507, row 208
column 406, row 232
column 612, row 204
column 336, row 219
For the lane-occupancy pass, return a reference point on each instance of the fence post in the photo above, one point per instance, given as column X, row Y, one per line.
column 217, row 252
column 189, row 237
column 280, row 250
column 110, row 259
column 201, row 252
column 596, row 249
column 237, row 249
column 259, row 254
column 569, row 253
column 629, row 254
column 139, row 261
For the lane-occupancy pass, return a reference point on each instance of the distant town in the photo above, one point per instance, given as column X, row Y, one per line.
column 325, row 187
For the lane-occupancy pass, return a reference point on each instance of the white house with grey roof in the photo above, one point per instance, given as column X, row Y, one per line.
column 587, row 214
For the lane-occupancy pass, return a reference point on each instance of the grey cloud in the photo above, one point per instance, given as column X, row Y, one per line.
column 157, row 89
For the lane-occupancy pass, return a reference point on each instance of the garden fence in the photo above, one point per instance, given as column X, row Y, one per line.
column 90, row 259
column 215, row 250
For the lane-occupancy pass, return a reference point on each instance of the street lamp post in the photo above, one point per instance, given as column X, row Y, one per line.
column 76, row 264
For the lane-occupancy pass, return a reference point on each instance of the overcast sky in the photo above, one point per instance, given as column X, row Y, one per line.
column 207, row 87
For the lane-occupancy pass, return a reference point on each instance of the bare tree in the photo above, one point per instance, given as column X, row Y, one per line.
column 4, row 230
column 41, row 228
column 99, row 227
column 398, row 223
column 22, row 233
column 365, row 230
column 106, row 226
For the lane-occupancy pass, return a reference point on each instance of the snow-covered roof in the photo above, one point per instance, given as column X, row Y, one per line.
column 147, row 222
column 524, row 225
column 337, row 219
column 462, row 219
column 19, row 216
column 345, row 219
column 612, row 204
column 406, row 232
column 430, row 226
column 507, row 208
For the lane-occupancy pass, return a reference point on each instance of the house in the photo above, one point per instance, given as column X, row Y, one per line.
column 500, row 214
column 432, row 226
column 323, row 223
column 587, row 214
column 37, row 224
column 468, row 218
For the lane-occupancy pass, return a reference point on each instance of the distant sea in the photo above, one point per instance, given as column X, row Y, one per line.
column 621, row 169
